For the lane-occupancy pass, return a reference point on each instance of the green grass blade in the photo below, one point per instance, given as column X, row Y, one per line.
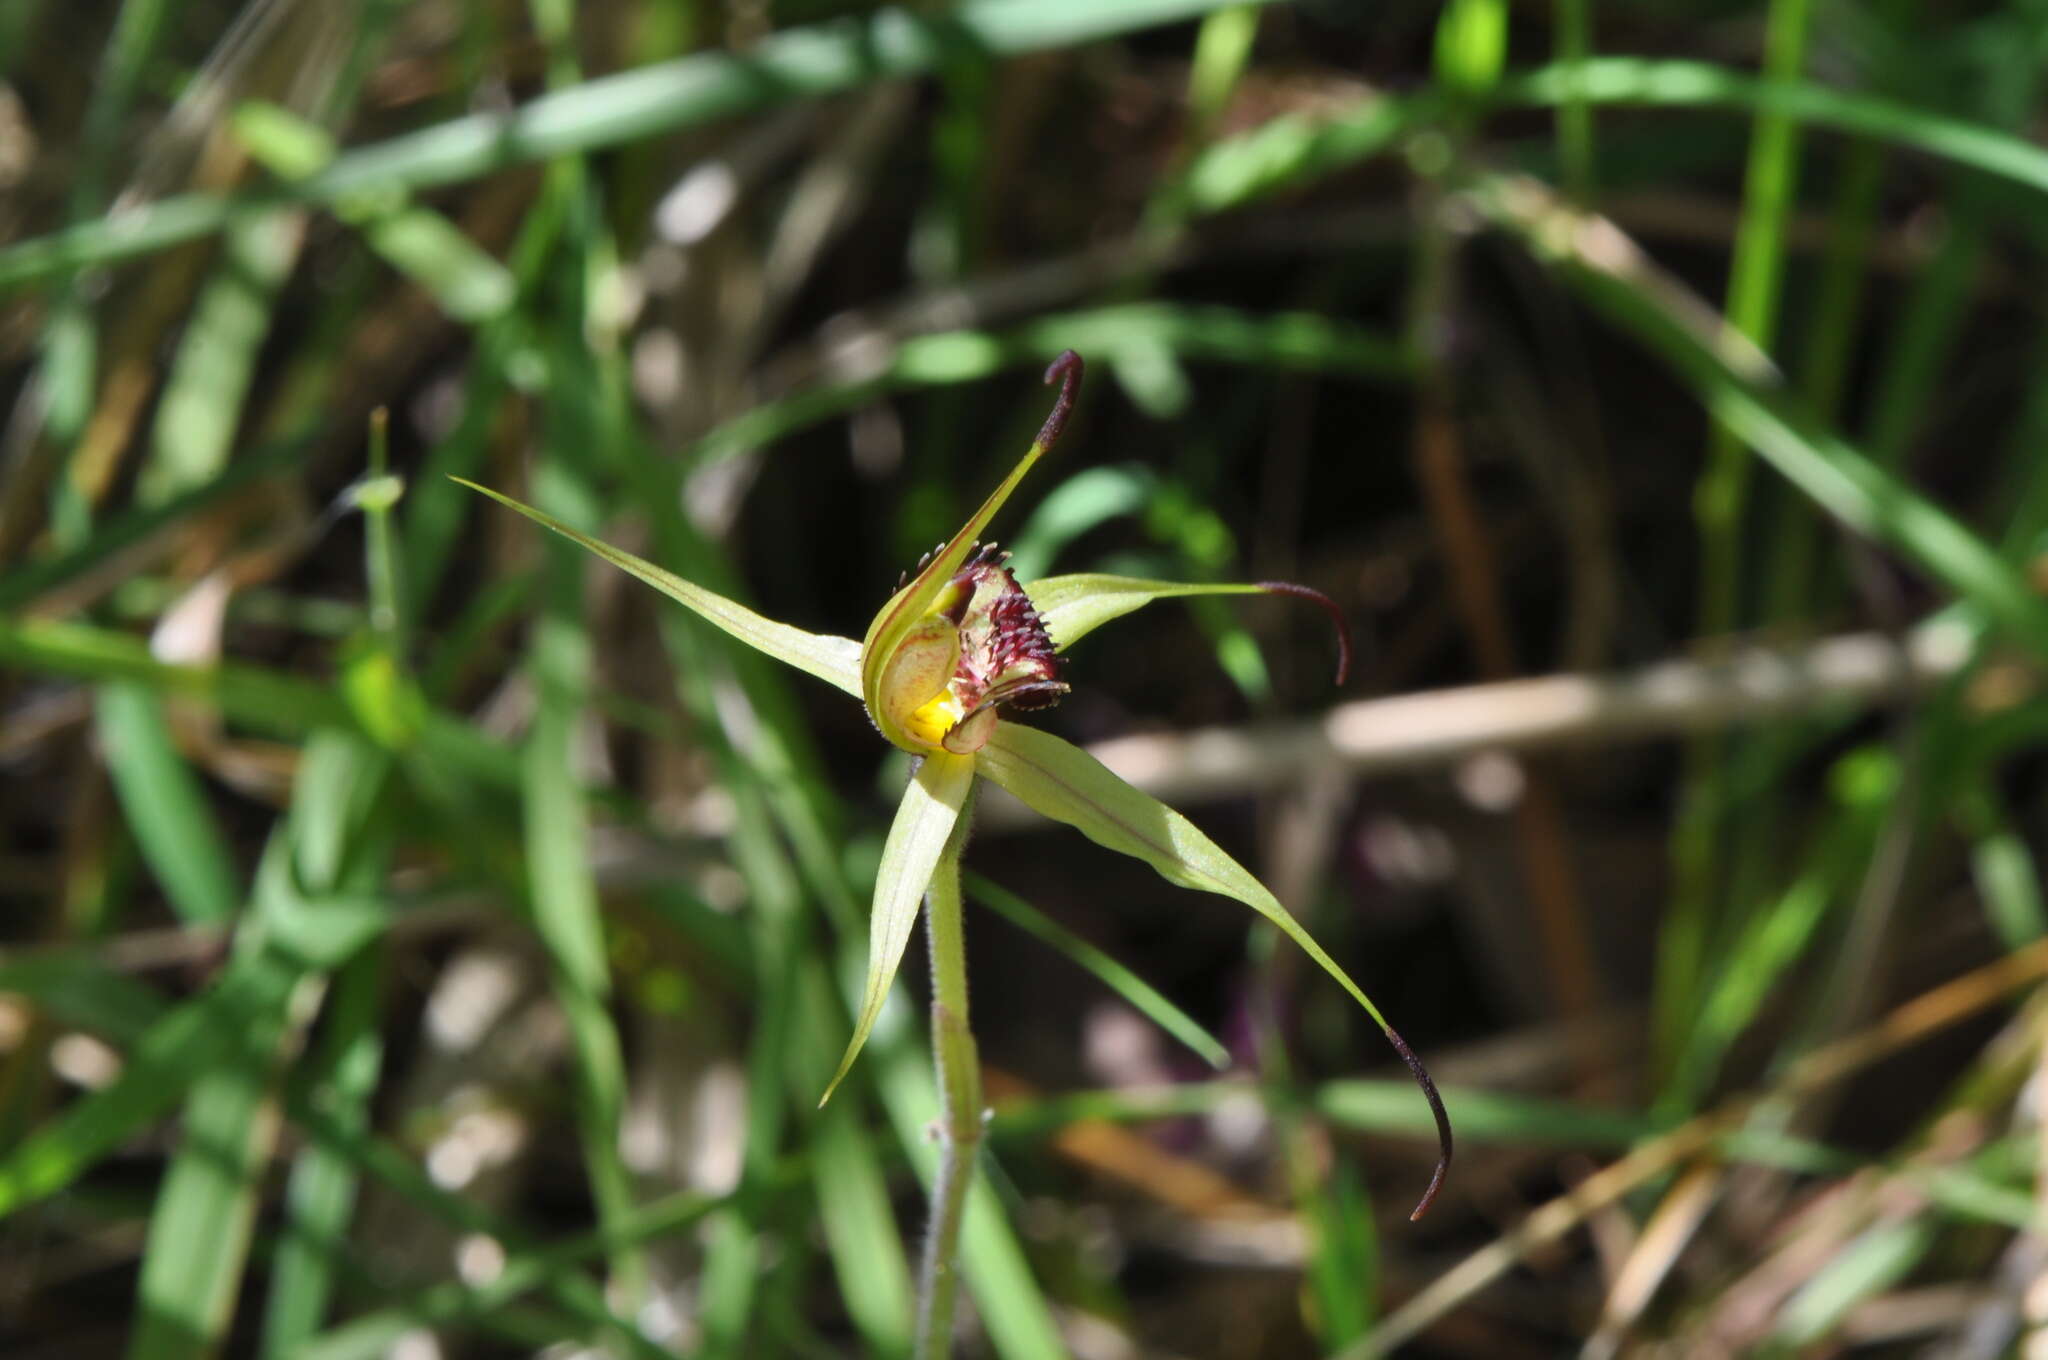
column 797, row 64
column 320, row 1196
column 211, row 376
column 564, row 895
column 1143, row 997
column 1297, row 341
column 166, row 806
column 205, row 1211
column 848, row 1179
column 1741, row 389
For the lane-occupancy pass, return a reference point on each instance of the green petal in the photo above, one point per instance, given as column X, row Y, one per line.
column 917, row 839
column 1071, row 607
column 835, row 660
column 1061, row 781
column 910, row 604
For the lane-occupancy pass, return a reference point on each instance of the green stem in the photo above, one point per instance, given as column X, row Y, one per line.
column 960, row 1115
column 1574, row 25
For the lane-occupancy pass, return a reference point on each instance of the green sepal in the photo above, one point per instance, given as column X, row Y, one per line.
column 835, row 660
column 918, row 838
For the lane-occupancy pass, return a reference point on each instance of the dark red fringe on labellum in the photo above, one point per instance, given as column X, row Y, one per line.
column 1022, row 646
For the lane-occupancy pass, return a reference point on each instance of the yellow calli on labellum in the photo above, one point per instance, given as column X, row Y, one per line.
column 956, row 646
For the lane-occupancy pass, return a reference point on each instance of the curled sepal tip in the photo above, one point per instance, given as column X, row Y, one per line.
column 1436, row 1108
column 1329, row 605
column 1067, row 371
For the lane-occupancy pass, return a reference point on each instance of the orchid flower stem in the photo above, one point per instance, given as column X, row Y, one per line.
column 960, row 1115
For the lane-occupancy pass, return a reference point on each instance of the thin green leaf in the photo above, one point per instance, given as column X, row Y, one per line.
column 1059, row 780
column 852, row 1189
column 835, row 660
column 1867, row 1266
column 321, row 1195
column 1143, row 997
column 931, row 805
column 166, row 806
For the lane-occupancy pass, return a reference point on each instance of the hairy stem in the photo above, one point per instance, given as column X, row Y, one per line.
column 960, row 1113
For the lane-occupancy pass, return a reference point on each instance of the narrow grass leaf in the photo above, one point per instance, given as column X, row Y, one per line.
column 852, row 1189
column 165, row 806
column 1869, row 1265
column 1142, row 996
column 320, row 1195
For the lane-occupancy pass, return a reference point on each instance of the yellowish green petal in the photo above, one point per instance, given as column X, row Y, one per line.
column 1071, row 607
column 917, row 839
column 1059, row 780
column 916, row 600
column 835, row 660
column 1074, row 606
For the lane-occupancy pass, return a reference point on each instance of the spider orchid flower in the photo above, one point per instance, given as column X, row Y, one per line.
column 958, row 647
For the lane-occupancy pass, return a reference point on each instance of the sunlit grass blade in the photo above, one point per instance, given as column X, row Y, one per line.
column 834, row 660
column 925, row 820
column 320, row 1196
column 563, row 891
column 205, row 1211
column 1065, row 783
column 191, row 1040
column 417, row 241
column 166, row 806
column 1143, row 997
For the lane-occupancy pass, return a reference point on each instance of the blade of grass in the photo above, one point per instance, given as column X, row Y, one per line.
column 795, row 64
column 848, row 1179
column 1143, row 997
column 320, row 1196
column 1740, row 388
column 564, row 895
column 198, row 1036
column 1299, row 341
column 263, row 700
column 215, row 365
column 166, row 807
column 1687, row 948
